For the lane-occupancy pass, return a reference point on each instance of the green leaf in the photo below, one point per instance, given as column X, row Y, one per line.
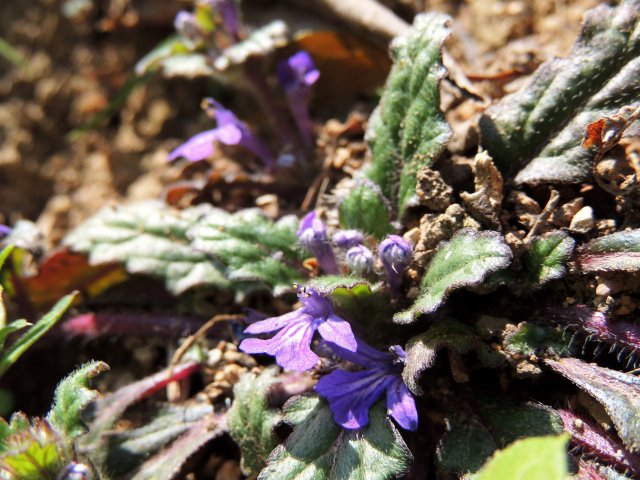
column 327, row 284
column 618, row 252
column 531, row 339
column 456, row 336
column 12, row 327
column 32, row 335
column 366, row 209
column 251, row 420
column 253, row 248
column 318, row 449
column 71, row 398
column 547, row 255
column 542, row 126
column 169, row 461
column 465, row 446
column 408, row 131
column 618, row 392
column 4, row 254
column 464, row 261
column 537, row 458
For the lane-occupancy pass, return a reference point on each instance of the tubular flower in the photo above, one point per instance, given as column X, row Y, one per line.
column 313, row 235
column 292, row 344
column 395, row 253
column 228, row 11
column 351, row 394
column 230, row 131
column 348, row 238
column 359, row 260
column 296, row 75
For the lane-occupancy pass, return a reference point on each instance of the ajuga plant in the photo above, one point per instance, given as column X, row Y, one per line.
column 437, row 333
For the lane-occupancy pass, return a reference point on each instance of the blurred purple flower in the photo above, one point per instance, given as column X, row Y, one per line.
column 296, row 75
column 187, row 26
column 312, row 234
column 230, row 14
column 230, row 131
column 395, row 253
column 5, row 231
column 351, row 394
column 348, row 238
column 359, row 260
column 291, row 345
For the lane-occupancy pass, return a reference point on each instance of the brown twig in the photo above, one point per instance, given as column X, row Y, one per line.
column 554, row 197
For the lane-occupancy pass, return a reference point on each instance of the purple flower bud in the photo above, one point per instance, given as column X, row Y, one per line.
column 186, row 25
column 5, row 231
column 76, row 471
column 348, row 238
column 230, row 131
column 291, row 345
column 228, row 10
column 360, row 260
column 395, row 253
column 352, row 394
column 312, row 234
column 296, row 75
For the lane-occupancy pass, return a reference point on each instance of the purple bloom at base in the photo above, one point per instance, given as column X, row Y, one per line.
column 352, row 394
column 230, row 131
column 395, row 253
column 292, row 344
column 296, row 75
column 348, row 238
column 312, row 234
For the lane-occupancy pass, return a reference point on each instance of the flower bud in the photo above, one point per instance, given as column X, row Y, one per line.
column 312, row 234
column 395, row 253
column 359, row 260
column 348, row 238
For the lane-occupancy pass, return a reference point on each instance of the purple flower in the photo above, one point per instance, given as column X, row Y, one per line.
column 359, row 260
column 395, row 253
column 230, row 131
column 348, row 238
column 312, row 234
column 228, row 10
column 5, row 231
column 187, row 26
column 296, row 75
column 291, row 345
column 351, row 394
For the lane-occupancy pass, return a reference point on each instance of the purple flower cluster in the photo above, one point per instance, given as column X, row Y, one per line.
column 350, row 394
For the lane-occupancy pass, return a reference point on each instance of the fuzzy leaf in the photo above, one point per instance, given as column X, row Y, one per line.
column 34, row 333
column 125, row 451
column 251, row 421
column 531, row 339
column 252, row 247
column 537, row 458
column 196, row 247
column 464, row 447
column 464, row 261
column 618, row 252
column 168, row 462
column 366, row 209
column 542, row 126
column 318, row 449
column 408, row 131
column 547, row 256
column 618, row 392
column 327, row 284
column 71, row 398
column 422, row 349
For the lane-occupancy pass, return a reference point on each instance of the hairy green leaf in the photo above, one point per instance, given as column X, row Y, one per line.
column 537, row 458
column 251, row 420
column 318, row 449
column 366, row 209
column 464, row 261
column 408, row 131
column 618, row 392
column 456, row 336
column 34, row 333
column 465, row 446
column 618, row 252
column 547, row 256
column 197, row 247
column 71, row 398
column 542, row 125
column 531, row 339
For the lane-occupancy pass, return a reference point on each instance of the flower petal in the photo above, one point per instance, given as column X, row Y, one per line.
column 364, row 355
column 402, row 405
column 351, row 395
column 229, row 135
column 198, row 147
column 336, row 330
column 274, row 323
column 290, row 346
